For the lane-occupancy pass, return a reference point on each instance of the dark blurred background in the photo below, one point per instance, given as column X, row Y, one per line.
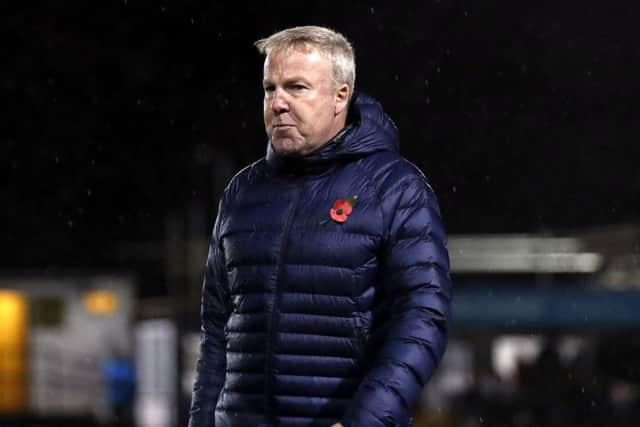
column 124, row 120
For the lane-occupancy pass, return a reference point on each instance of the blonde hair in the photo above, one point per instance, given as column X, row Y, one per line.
column 331, row 44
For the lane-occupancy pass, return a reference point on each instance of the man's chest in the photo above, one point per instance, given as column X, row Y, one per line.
column 312, row 233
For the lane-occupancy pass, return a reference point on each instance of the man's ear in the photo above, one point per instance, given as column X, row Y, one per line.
column 342, row 98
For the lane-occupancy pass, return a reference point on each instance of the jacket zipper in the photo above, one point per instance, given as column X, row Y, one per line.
column 274, row 319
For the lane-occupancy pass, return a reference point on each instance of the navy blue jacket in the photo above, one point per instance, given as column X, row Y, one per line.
column 310, row 316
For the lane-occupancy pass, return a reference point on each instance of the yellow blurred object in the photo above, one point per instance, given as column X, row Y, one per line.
column 434, row 420
column 100, row 302
column 13, row 333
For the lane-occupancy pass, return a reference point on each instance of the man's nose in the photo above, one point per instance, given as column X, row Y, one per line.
column 279, row 103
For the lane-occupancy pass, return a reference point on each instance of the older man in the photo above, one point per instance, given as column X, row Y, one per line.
column 326, row 293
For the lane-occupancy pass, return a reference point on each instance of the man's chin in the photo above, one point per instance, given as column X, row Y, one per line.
column 288, row 147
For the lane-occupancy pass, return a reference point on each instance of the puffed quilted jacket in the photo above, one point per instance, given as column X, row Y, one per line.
column 315, row 312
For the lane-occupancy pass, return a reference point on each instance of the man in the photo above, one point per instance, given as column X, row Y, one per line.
column 327, row 290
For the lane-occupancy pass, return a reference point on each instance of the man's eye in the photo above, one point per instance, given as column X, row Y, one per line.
column 269, row 89
column 299, row 87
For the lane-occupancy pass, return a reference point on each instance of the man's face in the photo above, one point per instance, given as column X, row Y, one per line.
column 302, row 107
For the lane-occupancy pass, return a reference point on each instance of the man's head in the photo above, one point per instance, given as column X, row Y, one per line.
column 309, row 75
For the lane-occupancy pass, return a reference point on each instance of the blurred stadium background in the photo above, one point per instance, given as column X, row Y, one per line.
column 124, row 120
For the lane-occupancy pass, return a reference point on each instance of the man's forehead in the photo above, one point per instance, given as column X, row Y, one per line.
column 298, row 58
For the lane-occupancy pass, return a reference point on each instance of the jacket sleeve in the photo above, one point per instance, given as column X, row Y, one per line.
column 417, row 285
column 211, row 367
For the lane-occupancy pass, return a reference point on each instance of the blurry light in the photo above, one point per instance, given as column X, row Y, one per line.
column 100, row 302
column 521, row 254
column 13, row 332
column 509, row 351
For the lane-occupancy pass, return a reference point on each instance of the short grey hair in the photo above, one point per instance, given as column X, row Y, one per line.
column 329, row 43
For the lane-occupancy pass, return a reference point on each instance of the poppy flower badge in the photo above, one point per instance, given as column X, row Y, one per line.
column 342, row 208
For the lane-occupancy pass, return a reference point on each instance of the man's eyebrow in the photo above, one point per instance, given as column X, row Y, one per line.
column 297, row 79
column 293, row 79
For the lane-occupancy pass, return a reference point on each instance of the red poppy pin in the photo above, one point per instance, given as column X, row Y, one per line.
column 342, row 209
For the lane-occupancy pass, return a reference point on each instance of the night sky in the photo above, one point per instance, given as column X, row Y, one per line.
column 118, row 113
